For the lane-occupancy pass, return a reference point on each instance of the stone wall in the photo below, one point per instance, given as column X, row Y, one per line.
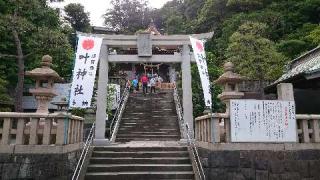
column 38, row 166
column 261, row 164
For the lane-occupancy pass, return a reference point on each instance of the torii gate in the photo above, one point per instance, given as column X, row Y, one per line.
column 144, row 42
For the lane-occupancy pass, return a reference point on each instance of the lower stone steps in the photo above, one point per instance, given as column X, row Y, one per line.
column 122, row 140
column 147, row 175
column 140, row 154
column 139, row 167
column 131, row 160
column 143, row 162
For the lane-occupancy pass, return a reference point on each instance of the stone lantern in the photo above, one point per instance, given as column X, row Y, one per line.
column 230, row 82
column 45, row 78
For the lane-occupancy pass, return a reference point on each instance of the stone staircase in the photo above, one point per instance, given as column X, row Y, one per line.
column 150, row 117
column 139, row 163
column 147, row 145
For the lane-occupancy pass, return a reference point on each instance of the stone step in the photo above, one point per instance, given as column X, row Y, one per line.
column 147, row 135
column 138, row 149
column 121, row 129
column 130, row 160
column 140, row 154
column 145, row 139
column 150, row 128
column 145, row 132
column 138, row 167
column 154, row 123
column 146, row 175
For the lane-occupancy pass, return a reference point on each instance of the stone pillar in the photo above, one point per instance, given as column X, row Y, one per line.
column 172, row 74
column 285, row 92
column 101, row 114
column 186, row 87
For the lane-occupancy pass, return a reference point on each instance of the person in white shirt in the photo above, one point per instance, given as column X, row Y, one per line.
column 153, row 83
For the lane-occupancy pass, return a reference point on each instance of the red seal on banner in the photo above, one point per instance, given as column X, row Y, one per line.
column 88, row 44
column 199, row 46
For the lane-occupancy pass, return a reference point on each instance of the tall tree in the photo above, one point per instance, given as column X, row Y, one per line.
column 21, row 23
column 77, row 17
column 127, row 16
column 253, row 55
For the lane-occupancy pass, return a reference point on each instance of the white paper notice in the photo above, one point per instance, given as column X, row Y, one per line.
column 84, row 72
column 200, row 56
column 262, row 121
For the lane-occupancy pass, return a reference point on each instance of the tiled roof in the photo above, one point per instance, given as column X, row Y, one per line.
column 305, row 68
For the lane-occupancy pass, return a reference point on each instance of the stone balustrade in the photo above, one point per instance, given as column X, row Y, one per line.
column 212, row 128
column 215, row 128
column 308, row 128
column 40, row 129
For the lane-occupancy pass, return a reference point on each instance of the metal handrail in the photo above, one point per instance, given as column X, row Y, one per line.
column 194, row 149
column 118, row 113
column 187, row 133
column 125, row 91
column 84, row 153
column 179, row 111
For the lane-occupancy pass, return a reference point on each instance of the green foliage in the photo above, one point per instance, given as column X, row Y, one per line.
column 5, row 100
column 40, row 33
column 253, row 55
column 245, row 5
column 77, row 17
column 127, row 16
column 314, row 35
column 78, row 112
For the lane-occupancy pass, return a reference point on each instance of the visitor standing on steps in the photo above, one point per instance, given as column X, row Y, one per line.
column 135, row 84
column 144, row 80
column 153, row 84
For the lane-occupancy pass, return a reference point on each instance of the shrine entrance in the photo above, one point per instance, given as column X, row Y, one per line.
column 145, row 50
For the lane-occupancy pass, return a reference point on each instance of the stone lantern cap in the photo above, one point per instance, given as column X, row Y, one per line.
column 229, row 75
column 45, row 72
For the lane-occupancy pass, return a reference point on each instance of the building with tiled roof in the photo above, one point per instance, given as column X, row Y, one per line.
column 304, row 73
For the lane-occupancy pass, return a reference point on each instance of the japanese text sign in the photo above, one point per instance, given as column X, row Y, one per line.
column 200, row 56
column 262, row 121
column 84, row 72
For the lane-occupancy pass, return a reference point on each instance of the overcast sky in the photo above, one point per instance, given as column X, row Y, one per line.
column 97, row 8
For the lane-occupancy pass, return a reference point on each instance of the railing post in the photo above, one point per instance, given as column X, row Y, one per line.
column 69, row 131
column 305, row 131
column 6, row 131
column 215, row 130
column 228, row 129
column 47, row 131
column 33, row 131
column 20, row 131
column 315, row 130
column 60, row 136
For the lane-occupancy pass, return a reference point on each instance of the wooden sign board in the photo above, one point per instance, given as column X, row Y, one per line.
column 263, row 121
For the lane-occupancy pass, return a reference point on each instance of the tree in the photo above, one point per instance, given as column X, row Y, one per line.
column 212, row 14
column 254, row 56
column 77, row 17
column 127, row 16
column 245, row 5
column 314, row 36
column 5, row 100
column 21, row 24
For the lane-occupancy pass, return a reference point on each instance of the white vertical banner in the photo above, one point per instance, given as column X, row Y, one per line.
column 200, row 56
column 84, row 72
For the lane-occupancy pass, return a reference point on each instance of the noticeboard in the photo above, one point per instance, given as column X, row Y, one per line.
column 262, row 121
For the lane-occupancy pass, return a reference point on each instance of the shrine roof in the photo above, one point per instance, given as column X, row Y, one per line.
column 157, row 40
column 305, row 65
